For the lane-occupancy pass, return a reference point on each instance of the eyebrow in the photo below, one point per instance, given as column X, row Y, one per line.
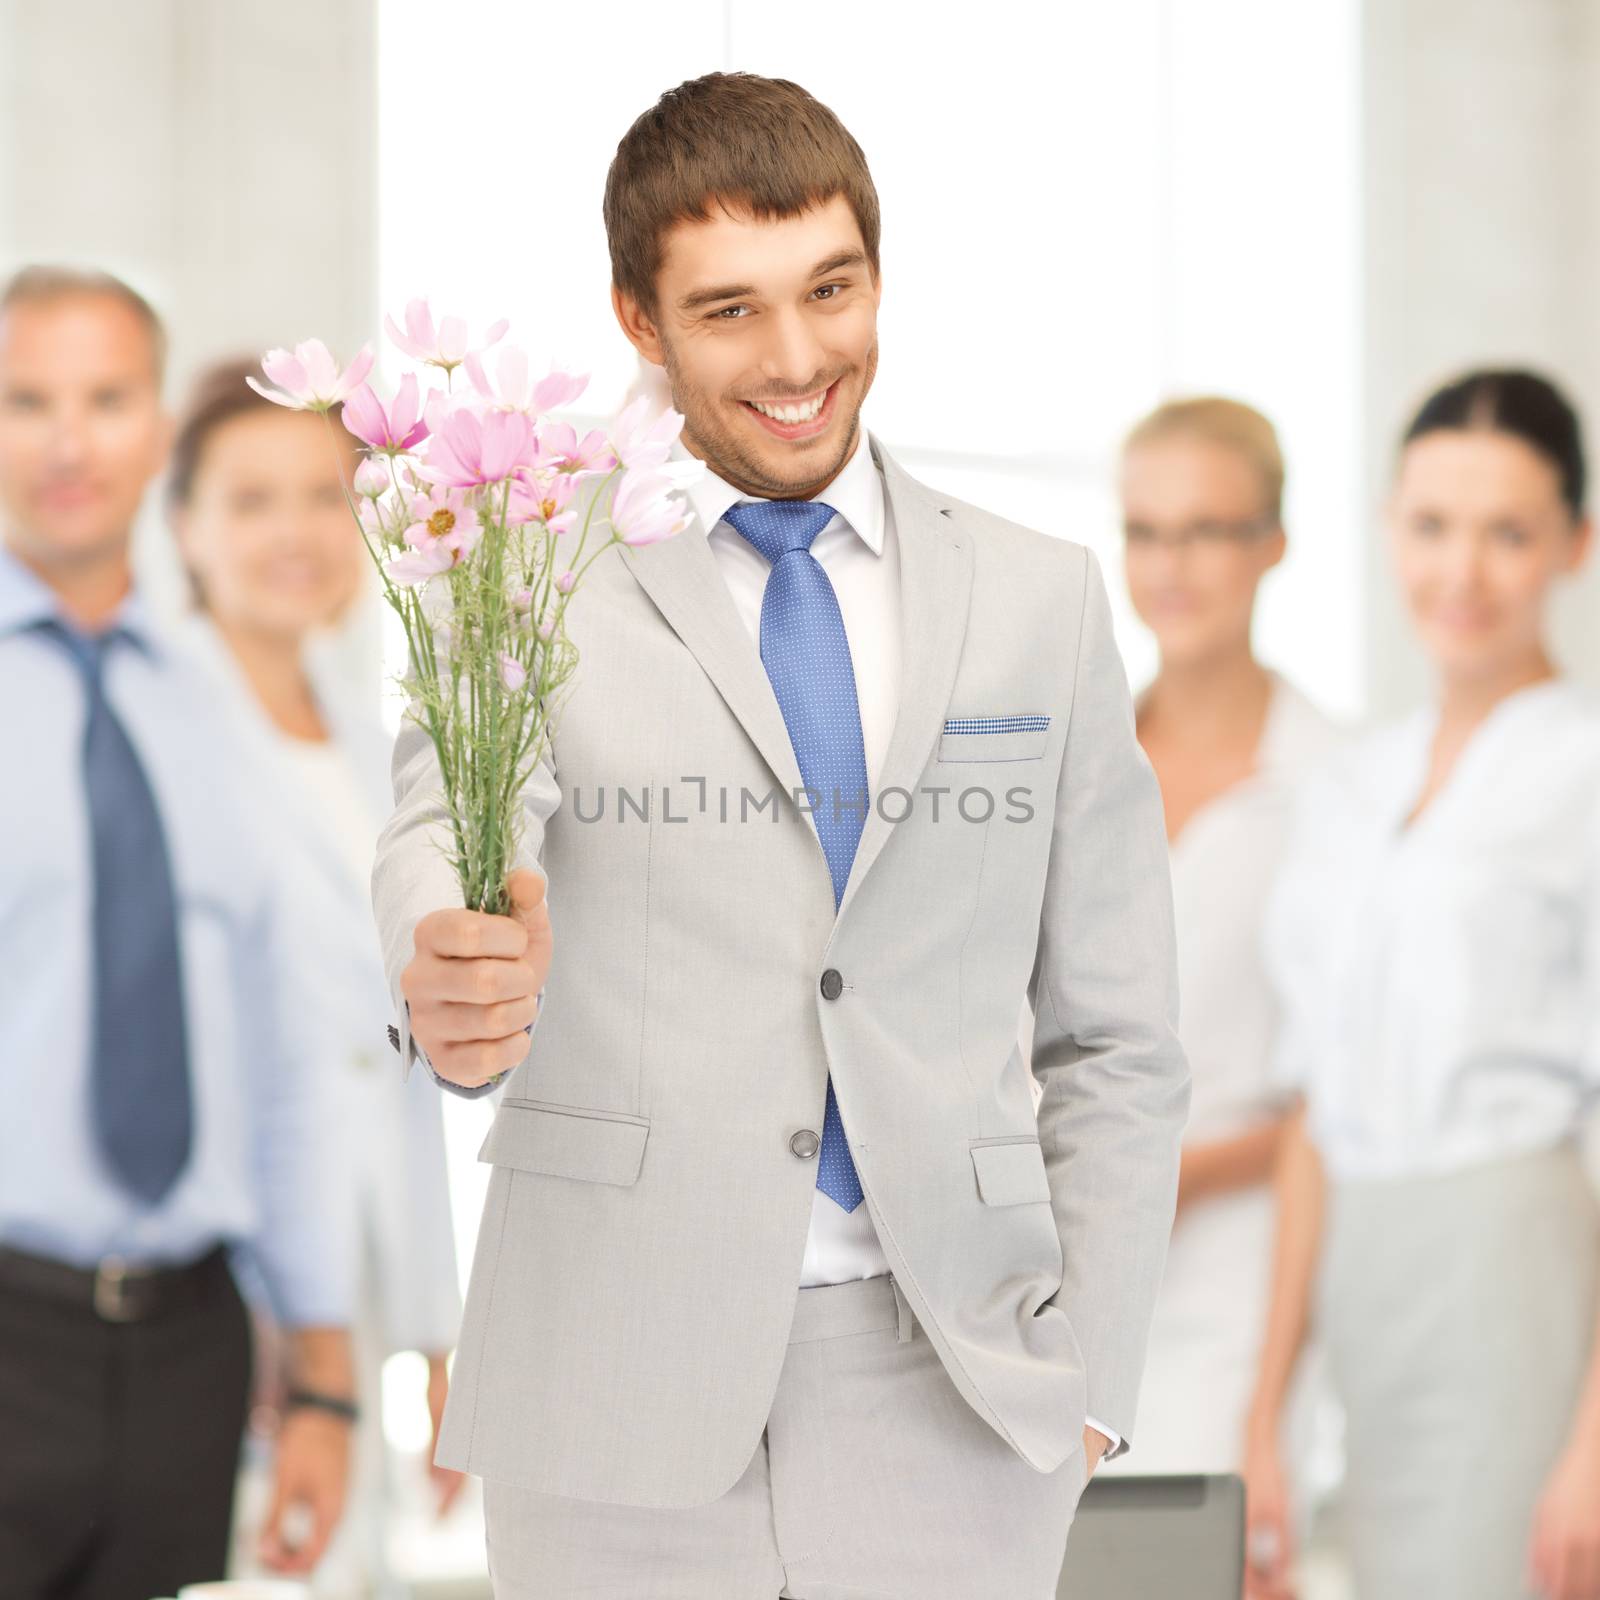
column 739, row 291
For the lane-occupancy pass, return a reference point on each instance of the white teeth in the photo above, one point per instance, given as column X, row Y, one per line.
column 800, row 413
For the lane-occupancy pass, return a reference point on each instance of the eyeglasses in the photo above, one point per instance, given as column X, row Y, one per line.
column 1207, row 535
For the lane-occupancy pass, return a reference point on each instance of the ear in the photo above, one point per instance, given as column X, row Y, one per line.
column 1274, row 548
column 638, row 325
column 1582, row 544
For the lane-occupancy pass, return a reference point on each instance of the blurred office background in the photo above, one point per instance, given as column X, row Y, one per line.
column 1322, row 208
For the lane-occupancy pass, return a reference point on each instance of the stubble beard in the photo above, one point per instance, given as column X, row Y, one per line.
column 715, row 444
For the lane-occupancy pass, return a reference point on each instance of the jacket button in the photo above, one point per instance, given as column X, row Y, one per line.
column 805, row 1144
column 832, row 984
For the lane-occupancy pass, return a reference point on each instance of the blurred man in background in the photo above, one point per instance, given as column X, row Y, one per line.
column 156, row 1113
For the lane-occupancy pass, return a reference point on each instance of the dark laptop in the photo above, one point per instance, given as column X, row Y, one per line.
column 1157, row 1538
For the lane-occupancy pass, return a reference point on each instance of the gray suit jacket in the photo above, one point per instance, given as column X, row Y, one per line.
column 640, row 1250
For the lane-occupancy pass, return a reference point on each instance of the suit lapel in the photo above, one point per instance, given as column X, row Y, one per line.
column 935, row 590
column 682, row 579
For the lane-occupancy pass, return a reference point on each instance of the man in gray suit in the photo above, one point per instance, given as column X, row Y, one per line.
column 784, row 1287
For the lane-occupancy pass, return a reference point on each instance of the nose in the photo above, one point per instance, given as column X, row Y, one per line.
column 1464, row 563
column 793, row 357
column 69, row 440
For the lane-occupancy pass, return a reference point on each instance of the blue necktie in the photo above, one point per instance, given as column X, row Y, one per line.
column 139, row 1084
column 807, row 657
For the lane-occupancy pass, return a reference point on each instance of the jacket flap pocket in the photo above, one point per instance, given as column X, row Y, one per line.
column 1010, row 1172
column 566, row 1142
column 1018, row 744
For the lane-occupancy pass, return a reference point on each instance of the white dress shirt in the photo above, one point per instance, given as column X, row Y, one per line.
column 859, row 553
column 1440, row 979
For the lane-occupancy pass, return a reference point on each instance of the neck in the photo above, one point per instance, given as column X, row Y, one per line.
column 272, row 665
column 90, row 588
column 1465, row 699
column 1198, row 698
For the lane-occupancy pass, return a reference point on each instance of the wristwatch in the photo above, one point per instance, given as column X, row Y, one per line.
column 312, row 1400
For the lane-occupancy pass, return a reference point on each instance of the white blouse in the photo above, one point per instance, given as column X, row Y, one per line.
column 1205, row 1336
column 1440, row 982
column 1223, row 864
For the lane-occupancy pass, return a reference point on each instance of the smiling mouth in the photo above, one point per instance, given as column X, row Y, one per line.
column 793, row 411
column 795, row 418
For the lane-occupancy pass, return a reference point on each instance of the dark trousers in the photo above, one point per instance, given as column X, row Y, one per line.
column 119, row 1442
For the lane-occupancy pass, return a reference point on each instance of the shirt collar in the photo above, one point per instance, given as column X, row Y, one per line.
column 27, row 600
column 856, row 494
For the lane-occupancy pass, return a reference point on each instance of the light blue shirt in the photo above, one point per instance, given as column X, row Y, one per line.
column 262, row 1170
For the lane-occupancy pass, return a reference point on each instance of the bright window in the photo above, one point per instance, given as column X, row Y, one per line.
column 1086, row 208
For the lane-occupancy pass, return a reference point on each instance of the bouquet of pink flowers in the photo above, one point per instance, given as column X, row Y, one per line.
column 478, row 510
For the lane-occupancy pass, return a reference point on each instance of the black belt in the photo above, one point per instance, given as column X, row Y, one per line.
column 116, row 1291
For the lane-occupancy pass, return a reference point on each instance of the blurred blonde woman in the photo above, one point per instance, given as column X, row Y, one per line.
column 1435, row 937
column 1202, row 485
column 257, row 501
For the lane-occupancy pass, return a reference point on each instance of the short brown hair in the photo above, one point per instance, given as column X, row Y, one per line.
column 1229, row 423
column 35, row 284
column 758, row 144
column 218, row 396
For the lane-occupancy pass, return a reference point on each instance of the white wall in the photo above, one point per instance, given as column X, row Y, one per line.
column 1086, row 208
column 219, row 156
column 1482, row 202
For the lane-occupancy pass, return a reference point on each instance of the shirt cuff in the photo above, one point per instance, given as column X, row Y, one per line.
column 444, row 1083
column 1115, row 1438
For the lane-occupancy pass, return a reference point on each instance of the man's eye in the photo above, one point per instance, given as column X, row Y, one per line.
column 729, row 313
column 828, row 291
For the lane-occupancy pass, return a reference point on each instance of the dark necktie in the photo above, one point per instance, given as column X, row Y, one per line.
column 807, row 657
column 139, row 1074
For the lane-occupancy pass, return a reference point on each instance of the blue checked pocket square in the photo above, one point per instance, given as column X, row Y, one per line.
column 1018, row 737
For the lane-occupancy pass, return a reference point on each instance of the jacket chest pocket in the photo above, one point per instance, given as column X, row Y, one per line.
column 1001, row 738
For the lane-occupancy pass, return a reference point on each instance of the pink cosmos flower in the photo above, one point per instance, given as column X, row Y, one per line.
column 308, row 378
column 444, row 346
column 417, row 566
column 546, row 629
column 443, row 531
column 512, row 672
column 543, row 497
column 400, row 427
column 517, row 389
column 643, row 440
column 565, row 582
column 522, row 600
column 444, row 520
column 469, row 449
column 644, row 509
column 372, row 478
column 560, row 447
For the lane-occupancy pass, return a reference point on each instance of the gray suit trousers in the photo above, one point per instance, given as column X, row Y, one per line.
column 874, row 1479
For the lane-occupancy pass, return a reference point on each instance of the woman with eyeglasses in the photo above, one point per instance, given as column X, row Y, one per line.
column 1435, row 939
column 1202, row 485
